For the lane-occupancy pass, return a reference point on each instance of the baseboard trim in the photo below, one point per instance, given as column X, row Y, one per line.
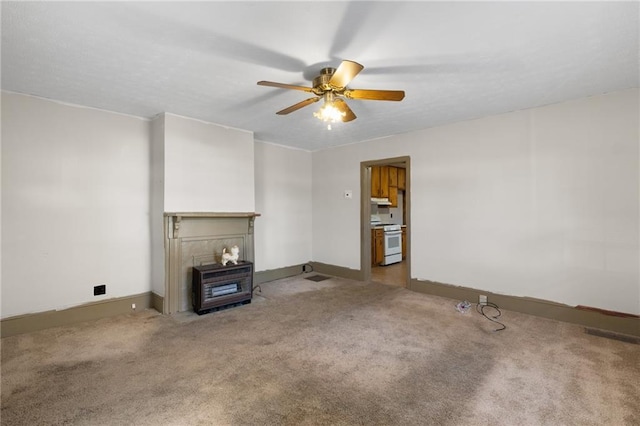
column 594, row 318
column 338, row 271
column 276, row 274
column 606, row 312
column 21, row 324
column 157, row 302
column 589, row 317
column 291, row 271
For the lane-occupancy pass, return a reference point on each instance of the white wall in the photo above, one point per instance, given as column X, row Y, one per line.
column 156, row 217
column 541, row 203
column 283, row 199
column 336, row 220
column 75, row 205
column 208, row 168
column 84, row 190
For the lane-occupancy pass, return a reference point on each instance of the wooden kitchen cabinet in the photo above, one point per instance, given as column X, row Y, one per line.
column 373, row 247
column 384, row 181
column 375, row 182
column 377, row 246
column 404, row 242
column 393, row 176
column 402, row 178
column 393, row 196
column 380, row 181
column 393, row 186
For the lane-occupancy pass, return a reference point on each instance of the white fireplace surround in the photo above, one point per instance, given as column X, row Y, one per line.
column 195, row 239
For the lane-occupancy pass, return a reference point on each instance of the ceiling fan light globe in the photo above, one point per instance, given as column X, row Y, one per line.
column 328, row 112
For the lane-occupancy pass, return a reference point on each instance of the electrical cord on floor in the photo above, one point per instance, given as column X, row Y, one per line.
column 480, row 307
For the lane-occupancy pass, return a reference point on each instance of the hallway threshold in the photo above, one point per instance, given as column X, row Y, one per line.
column 395, row 274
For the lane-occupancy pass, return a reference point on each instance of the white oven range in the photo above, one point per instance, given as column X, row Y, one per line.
column 392, row 244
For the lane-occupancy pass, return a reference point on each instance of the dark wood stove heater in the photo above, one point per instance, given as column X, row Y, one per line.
column 217, row 286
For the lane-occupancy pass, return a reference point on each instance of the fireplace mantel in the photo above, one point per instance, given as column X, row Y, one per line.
column 212, row 214
column 175, row 219
column 196, row 239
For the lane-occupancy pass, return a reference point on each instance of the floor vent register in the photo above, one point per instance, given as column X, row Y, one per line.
column 317, row 278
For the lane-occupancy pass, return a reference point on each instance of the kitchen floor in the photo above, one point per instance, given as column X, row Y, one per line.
column 394, row 274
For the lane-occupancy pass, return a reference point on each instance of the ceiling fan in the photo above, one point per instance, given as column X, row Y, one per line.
column 331, row 85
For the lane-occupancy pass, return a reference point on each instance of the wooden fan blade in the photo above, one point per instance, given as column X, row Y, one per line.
column 375, row 95
column 345, row 73
column 284, row 86
column 343, row 107
column 298, row 106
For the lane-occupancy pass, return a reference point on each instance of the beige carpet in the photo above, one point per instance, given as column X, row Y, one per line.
column 309, row 353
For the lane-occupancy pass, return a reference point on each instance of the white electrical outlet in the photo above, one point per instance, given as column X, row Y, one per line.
column 133, row 306
column 482, row 299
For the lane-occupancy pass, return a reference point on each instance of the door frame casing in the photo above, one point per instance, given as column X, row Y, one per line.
column 365, row 213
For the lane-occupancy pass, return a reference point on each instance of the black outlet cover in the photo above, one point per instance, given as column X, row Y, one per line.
column 99, row 289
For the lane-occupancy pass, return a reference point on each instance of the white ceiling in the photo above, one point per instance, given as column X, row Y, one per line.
column 455, row 60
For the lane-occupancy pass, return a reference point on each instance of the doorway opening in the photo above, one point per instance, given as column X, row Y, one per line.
column 385, row 207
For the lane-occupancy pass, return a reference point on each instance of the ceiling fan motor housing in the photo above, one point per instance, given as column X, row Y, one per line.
column 321, row 82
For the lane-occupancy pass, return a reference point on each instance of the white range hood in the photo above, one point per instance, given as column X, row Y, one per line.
column 380, row 201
